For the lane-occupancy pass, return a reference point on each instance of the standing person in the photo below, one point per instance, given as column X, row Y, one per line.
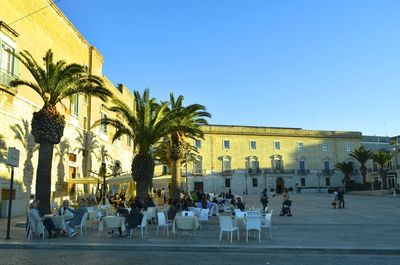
column 264, row 198
column 335, row 198
column 341, row 198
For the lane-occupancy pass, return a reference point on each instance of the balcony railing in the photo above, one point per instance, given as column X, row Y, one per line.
column 303, row 171
column 198, row 172
column 253, row 171
column 277, row 171
column 328, row 171
column 5, row 78
column 228, row 172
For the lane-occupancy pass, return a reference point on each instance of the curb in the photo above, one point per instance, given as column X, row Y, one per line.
column 201, row 248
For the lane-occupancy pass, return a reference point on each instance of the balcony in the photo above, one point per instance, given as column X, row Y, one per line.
column 5, row 78
column 303, row 171
column 198, row 172
column 228, row 172
column 253, row 171
column 328, row 171
column 277, row 171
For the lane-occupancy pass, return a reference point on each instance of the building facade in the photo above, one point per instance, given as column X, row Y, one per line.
column 247, row 159
column 22, row 28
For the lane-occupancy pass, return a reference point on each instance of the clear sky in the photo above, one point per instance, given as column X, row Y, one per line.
column 324, row 65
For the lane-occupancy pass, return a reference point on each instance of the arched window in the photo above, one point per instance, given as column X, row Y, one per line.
column 198, row 166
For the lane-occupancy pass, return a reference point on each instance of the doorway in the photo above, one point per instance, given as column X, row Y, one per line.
column 198, row 186
column 279, row 185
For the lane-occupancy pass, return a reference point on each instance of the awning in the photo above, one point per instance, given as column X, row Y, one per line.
column 125, row 178
column 83, row 181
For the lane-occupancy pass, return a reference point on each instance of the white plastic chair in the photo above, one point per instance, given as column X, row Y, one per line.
column 151, row 214
column 142, row 226
column 253, row 223
column 239, row 213
column 226, row 225
column 31, row 229
column 162, row 222
column 82, row 225
column 267, row 224
column 203, row 216
column 187, row 213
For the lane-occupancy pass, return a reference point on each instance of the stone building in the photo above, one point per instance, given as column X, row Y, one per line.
column 249, row 159
column 22, row 28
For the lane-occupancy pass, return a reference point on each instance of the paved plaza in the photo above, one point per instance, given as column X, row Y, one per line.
column 368, row 226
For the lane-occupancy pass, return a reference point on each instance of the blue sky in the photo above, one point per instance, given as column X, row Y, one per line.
column 324, row 65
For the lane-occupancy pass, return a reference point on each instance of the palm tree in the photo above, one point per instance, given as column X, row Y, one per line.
column 382, row 158
column 53, row 83
column 362, row 155
column 347, row 168
column 146, row 124
column 186, row 124
column 3, row 149
column 88, row 143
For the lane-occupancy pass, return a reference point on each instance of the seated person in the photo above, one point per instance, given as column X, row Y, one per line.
column 134, row 218
column 38, row 221
column 240, row 204
column 66, row 211
column 76, row 220
column 149, row 202
column 173, row 210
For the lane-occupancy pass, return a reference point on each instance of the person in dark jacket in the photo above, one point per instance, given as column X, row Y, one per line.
column 134, row 218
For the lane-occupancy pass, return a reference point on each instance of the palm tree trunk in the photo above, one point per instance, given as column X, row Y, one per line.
column 363, row 171
column 142, row 187
column 43, row 176
column 176, row 178
column 384, row 180
column 346, row 182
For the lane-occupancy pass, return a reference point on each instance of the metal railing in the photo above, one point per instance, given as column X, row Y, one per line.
column 303, row 171
column 228, row 172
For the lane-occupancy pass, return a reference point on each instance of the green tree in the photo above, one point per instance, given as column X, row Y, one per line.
column 185, row 125
column 382, row 158
column 347, row 168
column 147, row 123
column 54, row 82
column 362, row 155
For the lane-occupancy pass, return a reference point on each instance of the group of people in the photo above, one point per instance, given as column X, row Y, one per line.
column 338, row 199
column 72, row 217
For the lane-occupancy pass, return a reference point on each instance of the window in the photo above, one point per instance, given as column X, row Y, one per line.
column 164, row 170
column 7, row 58
column 103, row 125
column 197, row 144
column 326, row 166
column 375, row 167
column 226, row 165
column 389, row 165
column 74, row 105
column 129, row 140
column 327, row 181
column 254, row 164
column 277, row 145
column 303, row 182
column 300, row 146
column 278, row 164
column 325, row 147
column 198, row 165
column 72, row 157
column 302, row 166
column 227, row 183
column 227, row 144
column 255, row 182
column 84, row 123
column 253, row 145
column 348, row 148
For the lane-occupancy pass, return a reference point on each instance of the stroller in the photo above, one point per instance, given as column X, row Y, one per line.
column 286, row 208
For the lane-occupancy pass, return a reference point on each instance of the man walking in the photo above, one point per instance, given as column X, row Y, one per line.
column 341, row 198
column 264, row 198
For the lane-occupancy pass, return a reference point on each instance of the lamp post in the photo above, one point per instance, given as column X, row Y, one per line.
column 246, row 183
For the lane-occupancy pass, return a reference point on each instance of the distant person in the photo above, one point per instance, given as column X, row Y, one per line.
column 340, row 196
column 264, row 198
column 239, row 204
column 335, row 198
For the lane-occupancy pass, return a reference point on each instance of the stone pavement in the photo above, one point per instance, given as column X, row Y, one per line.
column 368, row 225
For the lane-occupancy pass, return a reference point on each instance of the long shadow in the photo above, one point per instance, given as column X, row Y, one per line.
column 23, row 135
column 61, row 150
column 3, row 149
column 88, row 144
